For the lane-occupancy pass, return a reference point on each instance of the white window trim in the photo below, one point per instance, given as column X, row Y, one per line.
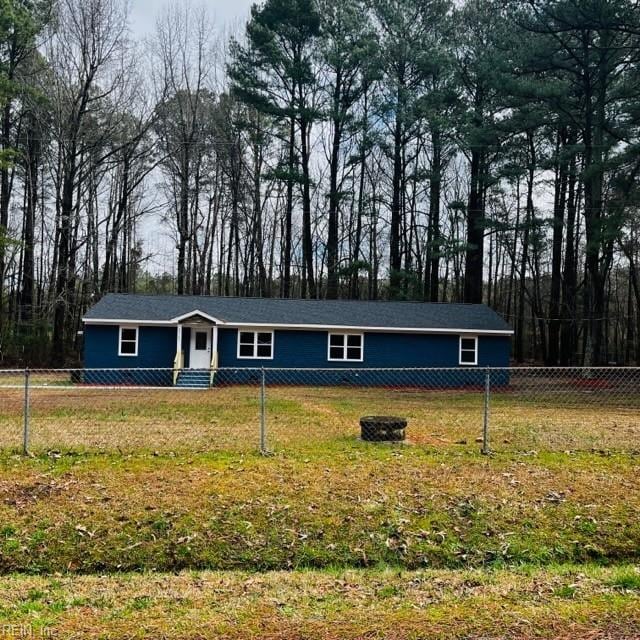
column 137, row 330
column 475, row 359
column 255, row 345
column 344, row 346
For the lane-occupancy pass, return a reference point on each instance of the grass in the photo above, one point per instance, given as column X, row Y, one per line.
column 227, row 419
column 353, row 505
column 558, row 602
column 150, row 514
column 627, row 581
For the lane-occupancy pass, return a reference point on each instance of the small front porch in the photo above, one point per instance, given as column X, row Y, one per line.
column 196, row 359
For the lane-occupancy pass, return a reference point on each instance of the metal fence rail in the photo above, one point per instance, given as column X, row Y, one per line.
column 272, row 409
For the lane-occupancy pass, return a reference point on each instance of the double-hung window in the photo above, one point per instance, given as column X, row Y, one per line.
column 256, row 345
column 128, row 341
column 346, row 347
column 469, row 350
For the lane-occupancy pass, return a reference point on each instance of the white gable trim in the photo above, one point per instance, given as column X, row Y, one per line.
column 197, row 312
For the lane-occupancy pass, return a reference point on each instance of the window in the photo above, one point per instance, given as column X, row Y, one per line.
column 346, row 347
column 128, row 341
column 201, row 340
column 255, row 344
column 469, row 350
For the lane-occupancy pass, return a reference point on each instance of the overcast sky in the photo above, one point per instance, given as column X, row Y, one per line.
column 227, row 13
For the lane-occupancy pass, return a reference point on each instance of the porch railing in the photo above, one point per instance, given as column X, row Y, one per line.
column 178, row 365
column 213, row 368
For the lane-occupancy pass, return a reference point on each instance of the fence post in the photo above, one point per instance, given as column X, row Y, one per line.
column 486, row 450
column 26, row 414
column 263, row 416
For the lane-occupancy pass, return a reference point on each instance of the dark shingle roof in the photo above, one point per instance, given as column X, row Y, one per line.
column 276, row 311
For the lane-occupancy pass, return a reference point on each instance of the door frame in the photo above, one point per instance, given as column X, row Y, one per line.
column 211, row 343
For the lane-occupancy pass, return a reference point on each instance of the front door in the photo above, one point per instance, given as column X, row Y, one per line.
column 200, row 351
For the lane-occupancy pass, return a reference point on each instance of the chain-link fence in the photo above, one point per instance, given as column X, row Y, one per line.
column 249, row 409
column 127, row 410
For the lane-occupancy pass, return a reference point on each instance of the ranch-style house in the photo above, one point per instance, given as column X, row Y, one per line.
column 200, row 340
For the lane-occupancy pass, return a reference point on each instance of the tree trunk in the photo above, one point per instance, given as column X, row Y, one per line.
column 307, row 241
column 435, row 187
column 395, row 256
column 520, row 324
column 593, row 202
column 5, row 196
column 556, row 259
column 61, row 298
column 32, row 167
column 183, row 223
column 286, row 283
column 257, row 209
column 474, row 259
column 334, row 196
column 568, row 313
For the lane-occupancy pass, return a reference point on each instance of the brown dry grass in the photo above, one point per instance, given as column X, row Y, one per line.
column 177, row 485
column 356, row 505
column 227, row 419
column 566, row 602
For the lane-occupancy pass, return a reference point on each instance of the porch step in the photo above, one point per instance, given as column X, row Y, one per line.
column 193, row 379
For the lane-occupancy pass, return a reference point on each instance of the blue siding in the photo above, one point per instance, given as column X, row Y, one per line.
column 300, row 349
column 308, row 349
column 156, row 349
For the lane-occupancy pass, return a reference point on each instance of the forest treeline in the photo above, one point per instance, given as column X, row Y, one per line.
column 478, row 151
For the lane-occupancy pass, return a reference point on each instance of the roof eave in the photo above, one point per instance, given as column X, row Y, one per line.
column 322, row 327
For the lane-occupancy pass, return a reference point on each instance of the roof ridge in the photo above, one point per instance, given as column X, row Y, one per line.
column 279, row 299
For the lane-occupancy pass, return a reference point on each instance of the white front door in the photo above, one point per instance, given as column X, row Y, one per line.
column 200, row 351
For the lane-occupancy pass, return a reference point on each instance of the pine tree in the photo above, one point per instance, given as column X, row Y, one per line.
column 593, row 48
column 273, row 72
column 347, row 53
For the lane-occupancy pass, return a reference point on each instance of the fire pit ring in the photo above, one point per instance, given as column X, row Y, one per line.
column 383, row 428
